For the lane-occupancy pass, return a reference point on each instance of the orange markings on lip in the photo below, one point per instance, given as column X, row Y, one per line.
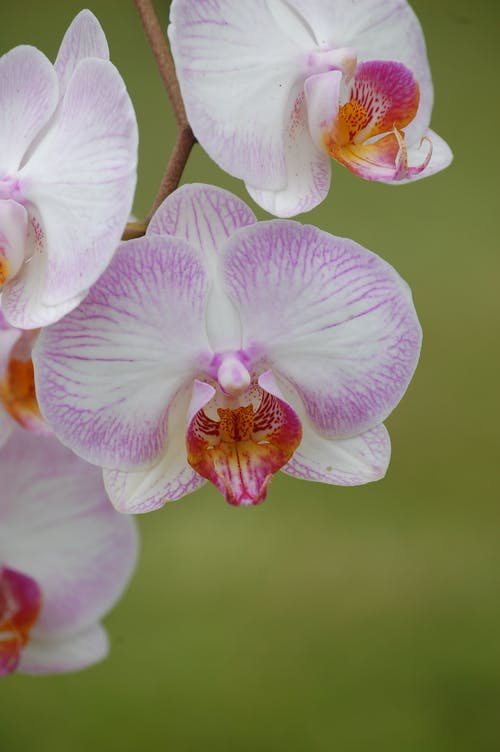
column 236, row 425
column 353, row 117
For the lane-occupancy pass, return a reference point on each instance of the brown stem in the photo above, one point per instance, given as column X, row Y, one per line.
column 185, row 138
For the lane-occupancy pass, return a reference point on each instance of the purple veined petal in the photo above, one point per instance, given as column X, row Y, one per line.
column 71, row 653
column 169, row 479
column 107, row 373
column 441, row 157
column 331, row 317
column 29, row 93
column 308, row 170
column 58, row 527
column 341, row 462
column 203, row 215
column 82, row 178
column 84, row 38
column 376, row 30
column 229, row 56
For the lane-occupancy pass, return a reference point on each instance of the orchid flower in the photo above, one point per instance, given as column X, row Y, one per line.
column 65, row 558
column 274, row 88
column 220, row 348
column 18, row 402
column 68, row 144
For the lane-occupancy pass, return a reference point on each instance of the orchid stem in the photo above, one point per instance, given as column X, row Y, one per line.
column 185, row 139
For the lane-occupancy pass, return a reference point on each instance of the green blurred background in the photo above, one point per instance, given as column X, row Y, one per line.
column 328, row 618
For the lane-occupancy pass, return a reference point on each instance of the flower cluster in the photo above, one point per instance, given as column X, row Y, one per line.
column 213, row 347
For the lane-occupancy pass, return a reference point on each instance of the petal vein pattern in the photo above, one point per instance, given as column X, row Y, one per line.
column 112, row 367
column 338, row 321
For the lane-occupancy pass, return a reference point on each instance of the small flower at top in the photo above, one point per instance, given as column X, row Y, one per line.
column 68, row 152
column 221, row 348
column 274, row 88
column 65, row 558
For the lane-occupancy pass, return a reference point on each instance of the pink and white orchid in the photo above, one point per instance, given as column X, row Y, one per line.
column 65, row 558
column 68, row 152
column 274, row 88
column 220, row 348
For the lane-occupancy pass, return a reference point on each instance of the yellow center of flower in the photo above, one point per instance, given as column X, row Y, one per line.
column 352, row 119
column 236, row 425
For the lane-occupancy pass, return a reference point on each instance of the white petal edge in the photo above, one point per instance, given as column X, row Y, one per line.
column 72, row 652
column 343, row 462
column 84, row 38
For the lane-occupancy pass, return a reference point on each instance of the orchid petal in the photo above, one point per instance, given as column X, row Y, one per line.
column 81, row 178
column 13, row 236
column 107, row 372
column 330, row 316
column 167, row 480
column 322, row 92
column 308, row 171
column 57, row 526
column 74, row 652
column 22, row 296
column 229, row 56
column 342, row 462
column 202, row 215
column 29, row 94
column 84, row 38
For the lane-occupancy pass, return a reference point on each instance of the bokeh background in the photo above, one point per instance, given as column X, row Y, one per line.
column 328, row 618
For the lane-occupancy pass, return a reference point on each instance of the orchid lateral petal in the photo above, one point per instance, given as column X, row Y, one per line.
column 108, row 371
column 333, row 318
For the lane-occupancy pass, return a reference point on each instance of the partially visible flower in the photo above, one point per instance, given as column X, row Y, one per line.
column 65, row 558
column 220, row 348
column 274, row 88
column 68, row 152
column 18, row 401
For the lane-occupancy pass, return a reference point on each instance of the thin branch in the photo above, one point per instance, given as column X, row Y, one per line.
column 185, row 138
